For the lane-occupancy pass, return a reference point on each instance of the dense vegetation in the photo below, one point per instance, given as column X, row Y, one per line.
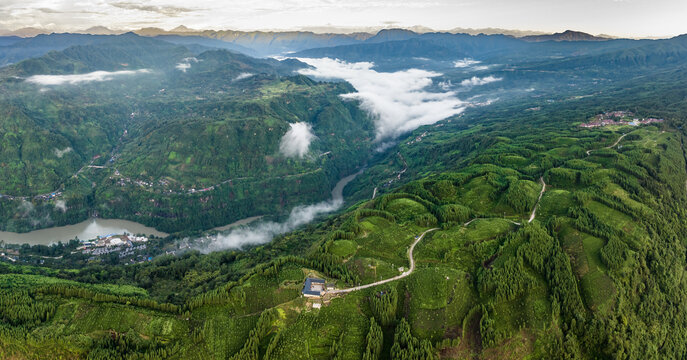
column 598, row 272
column 141, row 158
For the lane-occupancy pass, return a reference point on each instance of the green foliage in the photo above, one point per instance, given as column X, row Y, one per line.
column 408, row 347
column 374, row 342
column 384, row 304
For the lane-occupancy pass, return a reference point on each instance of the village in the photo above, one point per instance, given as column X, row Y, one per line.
column 619, row 118
column 124, row 244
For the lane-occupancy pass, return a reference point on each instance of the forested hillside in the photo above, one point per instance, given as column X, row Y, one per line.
column 141, row 157
column 545, row 223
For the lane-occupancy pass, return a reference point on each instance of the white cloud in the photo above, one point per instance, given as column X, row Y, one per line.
column 48, row 80
column 185, row 63
column 296, row 141
column 264, row 232
column 261, row 233
column 398, row 101
column 242, row 76
column 463, row 63
column 60, row 153
column 476, row 81
column 445, row 85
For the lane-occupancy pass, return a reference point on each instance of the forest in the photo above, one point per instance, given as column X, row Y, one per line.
column 552, row 240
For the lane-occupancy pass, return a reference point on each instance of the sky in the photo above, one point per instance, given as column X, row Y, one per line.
column 632, row 18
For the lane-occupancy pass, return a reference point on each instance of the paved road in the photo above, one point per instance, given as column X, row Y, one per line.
column 543, row 188
column 410, row 271
column 610, row 146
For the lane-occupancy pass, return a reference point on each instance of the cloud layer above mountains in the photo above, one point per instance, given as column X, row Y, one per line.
column 96, row 76
column 296, row 141
column 397, row 101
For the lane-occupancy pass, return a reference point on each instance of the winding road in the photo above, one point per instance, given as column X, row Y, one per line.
column 398, row 277
column 419, row 238
column 589, row 152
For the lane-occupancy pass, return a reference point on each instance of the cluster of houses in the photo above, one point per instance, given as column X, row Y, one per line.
column 124, row 244
column 48, row 196
column 418, row 138
column 619, row 118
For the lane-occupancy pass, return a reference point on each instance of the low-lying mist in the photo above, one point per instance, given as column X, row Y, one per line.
column 95, row 76
column 264, row 232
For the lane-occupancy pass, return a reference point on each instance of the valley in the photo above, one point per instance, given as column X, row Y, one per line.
column 451, row 196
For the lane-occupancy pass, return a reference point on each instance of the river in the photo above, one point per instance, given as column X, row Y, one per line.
column 88, row 229
column 92, row 228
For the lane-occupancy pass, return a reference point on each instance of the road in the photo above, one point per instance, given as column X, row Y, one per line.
column 610, row 146
column 541, row 193
column 398, row 277
column 412, row 247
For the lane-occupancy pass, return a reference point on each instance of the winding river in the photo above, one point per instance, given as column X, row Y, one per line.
column 92, row 228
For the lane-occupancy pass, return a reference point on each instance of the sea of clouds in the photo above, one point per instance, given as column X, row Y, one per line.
column 398, row 102
column 95, row 76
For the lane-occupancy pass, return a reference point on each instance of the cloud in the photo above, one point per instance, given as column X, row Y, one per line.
column 60, row 153
column 185, row 63
column 476, row 81
column 445, row 85
column 397, row 102
column 467, row 62
column 242, row 76
column 263, row 232
column 61, row 205
column 163, row 10
column 296, row 141
column 49, row 80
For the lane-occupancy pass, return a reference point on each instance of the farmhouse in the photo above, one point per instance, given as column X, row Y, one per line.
column 313, row 287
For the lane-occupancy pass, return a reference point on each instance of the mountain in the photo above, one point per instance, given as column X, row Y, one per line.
column 567, row 35
column 27, row 32
column 536, row 212
column 8, row 40
column 266, row 43
column 110, row 53
column 391, row 35
column 41, row 44
column 495, row 31
column 225, row 111
column 434, row 46
column 207, row 43
column 99, row 30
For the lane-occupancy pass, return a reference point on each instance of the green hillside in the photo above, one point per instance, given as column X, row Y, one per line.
column 509, row 231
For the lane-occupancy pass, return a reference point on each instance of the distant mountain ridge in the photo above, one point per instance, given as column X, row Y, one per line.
column 568, row 35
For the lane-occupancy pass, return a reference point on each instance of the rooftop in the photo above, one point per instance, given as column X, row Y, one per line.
column 313, row 287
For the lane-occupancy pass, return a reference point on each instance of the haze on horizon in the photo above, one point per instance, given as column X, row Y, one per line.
column 627, row 18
